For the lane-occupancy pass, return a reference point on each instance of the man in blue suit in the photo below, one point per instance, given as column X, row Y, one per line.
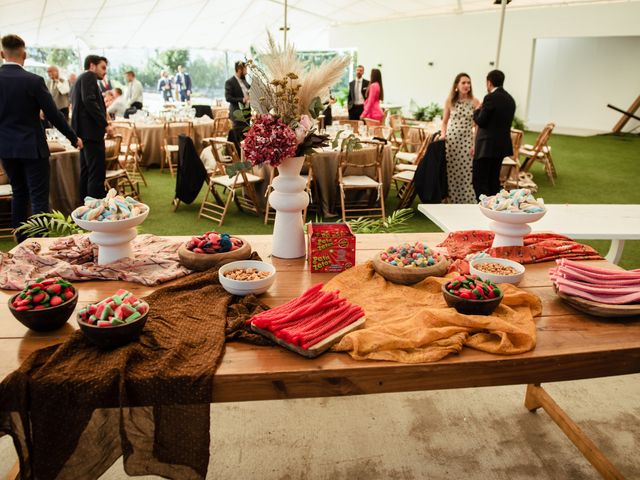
column 23, row 144
column 183, row 84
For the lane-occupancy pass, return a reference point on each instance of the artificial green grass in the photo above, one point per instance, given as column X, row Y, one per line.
column 599, row 169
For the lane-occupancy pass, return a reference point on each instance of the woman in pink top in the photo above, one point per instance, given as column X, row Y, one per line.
column 375, row 94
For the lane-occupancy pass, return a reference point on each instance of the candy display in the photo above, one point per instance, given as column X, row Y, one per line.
column 44, row 293
column 308, row 319
column 246, row 274
column 472, row 287
column 407, row 255
column 121, row 308
column 516, row 201
column 110, row 209
column 332, row 247
column 495, row 268
column 214, row 242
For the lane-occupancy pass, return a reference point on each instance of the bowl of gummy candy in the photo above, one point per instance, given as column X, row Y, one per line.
column 110, row 214
column 45, row 304
column 471, row 295
column 516, row 206
column 407, row 263
column 211, row 250
column 114, row 321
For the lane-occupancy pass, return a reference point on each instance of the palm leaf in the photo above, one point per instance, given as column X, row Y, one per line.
column 53, row 224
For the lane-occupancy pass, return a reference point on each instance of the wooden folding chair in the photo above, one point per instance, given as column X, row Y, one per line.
column 405, row 173
column 216, row 209
column 354, row 124
column 411, row 140
column 373, row 183
column 540, row 152
column 269, row 213
column 6, row 196
column 116, row 176
column 130, row 150
column 510, row 171
column 170, row 143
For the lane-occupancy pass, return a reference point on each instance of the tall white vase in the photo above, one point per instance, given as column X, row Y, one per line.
column 289, row 200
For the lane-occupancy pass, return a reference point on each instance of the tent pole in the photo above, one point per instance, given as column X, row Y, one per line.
column 286, row 26
column 504, row 9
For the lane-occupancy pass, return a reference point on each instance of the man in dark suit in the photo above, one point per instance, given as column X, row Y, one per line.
column 236, row 92
column 23, row 145
column 357, row 91
column 493, row 138
column 89, row 120
column 183, row 84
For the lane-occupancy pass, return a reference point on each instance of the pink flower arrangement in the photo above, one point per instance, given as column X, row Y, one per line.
column 269, row 140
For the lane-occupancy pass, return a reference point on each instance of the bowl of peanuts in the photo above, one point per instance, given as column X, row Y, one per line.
column 498, row 270
column 246, row 277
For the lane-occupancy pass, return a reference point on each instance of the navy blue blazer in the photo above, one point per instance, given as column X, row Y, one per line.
column 89, row 116
column 22, row 96
column 494, row 118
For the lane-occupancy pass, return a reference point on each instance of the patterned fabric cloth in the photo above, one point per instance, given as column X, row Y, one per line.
column 75, row 257
column 459, row 160
column 538, row 247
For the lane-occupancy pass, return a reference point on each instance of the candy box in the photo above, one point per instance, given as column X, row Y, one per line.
column 332, row 247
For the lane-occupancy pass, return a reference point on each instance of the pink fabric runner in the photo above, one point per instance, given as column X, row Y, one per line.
column 75, row 258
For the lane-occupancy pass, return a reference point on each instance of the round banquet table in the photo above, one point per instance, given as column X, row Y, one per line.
column 151, row 137
column 325, row 172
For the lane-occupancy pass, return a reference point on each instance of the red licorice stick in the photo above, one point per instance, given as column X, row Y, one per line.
column 348, row 318
column 293, row 308
column 287, row 306
column 342, row 314
column 317, row 321
column 316, row 305
column 300, row 324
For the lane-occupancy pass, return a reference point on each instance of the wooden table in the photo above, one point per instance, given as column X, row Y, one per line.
column 570, row 346
column 578, row 221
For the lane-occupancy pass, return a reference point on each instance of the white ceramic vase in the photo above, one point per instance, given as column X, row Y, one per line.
column 289, row 199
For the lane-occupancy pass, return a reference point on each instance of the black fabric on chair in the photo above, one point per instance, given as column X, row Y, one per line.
column 430, row 179
column 191, row 172
column 202, row 110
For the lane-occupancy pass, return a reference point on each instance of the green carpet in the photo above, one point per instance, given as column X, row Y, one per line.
column 599, row 169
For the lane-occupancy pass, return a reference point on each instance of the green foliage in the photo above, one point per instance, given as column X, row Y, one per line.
column 396, row 222
column 342, row 95
column 518, row 123
column 61, row 57
column 316, row 107
column 173, row 58
column 53, row 224
column 348, row 144
column 234, row 168
column 427, row 113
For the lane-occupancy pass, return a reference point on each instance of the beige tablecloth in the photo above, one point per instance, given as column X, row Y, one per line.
column 151, row 135
column 414, row 133
column 64, row 183
column 325, row 171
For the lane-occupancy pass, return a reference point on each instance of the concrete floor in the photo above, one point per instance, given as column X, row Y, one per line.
column 480, row 433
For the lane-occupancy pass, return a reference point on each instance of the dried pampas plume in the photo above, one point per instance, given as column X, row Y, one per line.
column 317, row 81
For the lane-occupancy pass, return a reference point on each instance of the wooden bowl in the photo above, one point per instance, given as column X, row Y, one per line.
column 409, row 275
column 115, row 336
column 204, row 261
column 46, row 319
column 471, row 307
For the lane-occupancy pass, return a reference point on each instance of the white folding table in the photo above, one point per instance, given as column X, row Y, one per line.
column 578, row 221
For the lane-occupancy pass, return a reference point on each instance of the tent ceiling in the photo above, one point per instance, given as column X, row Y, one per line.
column 213, row 24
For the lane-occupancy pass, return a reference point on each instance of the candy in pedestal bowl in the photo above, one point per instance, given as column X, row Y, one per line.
column 45, row 304
column 408, row 264
column 213, row 249
column 115, row 321
column 112, row 221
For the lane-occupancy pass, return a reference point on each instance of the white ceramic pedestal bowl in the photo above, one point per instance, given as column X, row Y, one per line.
column 510, row 227
column 113, row 238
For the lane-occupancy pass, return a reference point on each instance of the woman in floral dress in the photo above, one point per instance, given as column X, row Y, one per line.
column 457, row 130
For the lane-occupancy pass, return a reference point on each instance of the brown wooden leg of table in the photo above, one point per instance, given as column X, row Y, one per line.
column 536, row 397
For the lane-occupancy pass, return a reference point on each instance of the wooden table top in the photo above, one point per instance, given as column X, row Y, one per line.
column 570, row 345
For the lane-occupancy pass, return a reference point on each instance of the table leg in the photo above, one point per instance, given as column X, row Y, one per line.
column 615, row 251
column 536, row 397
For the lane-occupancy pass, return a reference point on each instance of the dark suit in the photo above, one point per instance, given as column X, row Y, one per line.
column 235, row 96
column 23, row 144
column 356, row 110
column 493, row 140
column 183, row 86
column 89, row 120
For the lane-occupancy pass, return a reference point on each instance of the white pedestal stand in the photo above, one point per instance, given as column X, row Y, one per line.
column 510, row 227
column 289, row 200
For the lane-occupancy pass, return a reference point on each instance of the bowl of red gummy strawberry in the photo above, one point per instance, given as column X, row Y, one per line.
column 471, row 295
column 213, row 249
column 114, row 321
column 45, row 304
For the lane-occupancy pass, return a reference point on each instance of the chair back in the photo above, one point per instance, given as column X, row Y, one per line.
column 516, row 142
column 112, row 152
column 396, row 121
column 412, row 137
column 354, row 124
column 221, row 127
column 366, row 161
column 543, row 137
column 172, row 130
column 125, row 129
column 221, row 114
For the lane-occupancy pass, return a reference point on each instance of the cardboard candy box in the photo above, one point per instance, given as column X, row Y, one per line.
column 332, row 247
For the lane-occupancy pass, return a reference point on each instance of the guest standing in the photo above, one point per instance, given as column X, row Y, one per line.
column 59, row 89
column 23, row 145
column 89, row 119
column 375, row 94
column 183, row 84
column 357, row 90
column 457, row 130
column 165, row 86
column 493, row 140
column 236, row 92
column 135, row 91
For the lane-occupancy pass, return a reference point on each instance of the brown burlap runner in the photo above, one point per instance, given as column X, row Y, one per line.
column 73, row 409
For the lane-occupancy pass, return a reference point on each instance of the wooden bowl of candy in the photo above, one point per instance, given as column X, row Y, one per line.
column 470, row 295
column 114, row 321
column 409, row 264
column 213, row 249
column 44, row 304
column 498, row 270
column 247, row 277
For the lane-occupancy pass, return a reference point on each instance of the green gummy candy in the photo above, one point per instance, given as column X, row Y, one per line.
column 132, row 317
column 115, row 321
column 106, row 313
column 117, row 300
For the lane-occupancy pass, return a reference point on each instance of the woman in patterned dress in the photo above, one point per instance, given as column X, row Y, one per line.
column 457, row 130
